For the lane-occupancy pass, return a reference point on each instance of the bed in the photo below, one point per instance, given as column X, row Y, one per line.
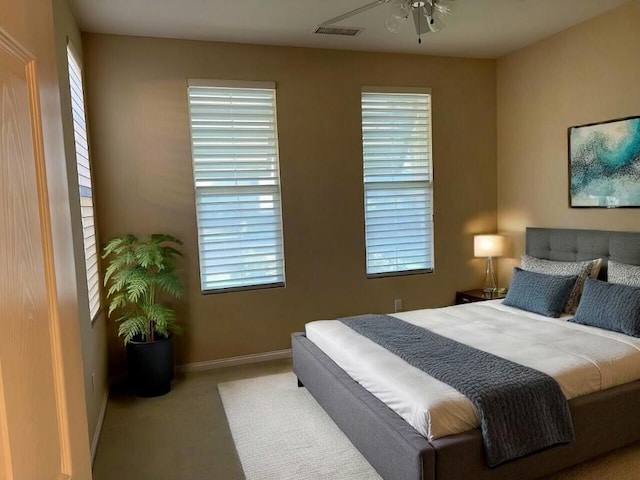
column 602, row 421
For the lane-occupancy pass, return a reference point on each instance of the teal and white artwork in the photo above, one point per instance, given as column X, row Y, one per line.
column 604, row 164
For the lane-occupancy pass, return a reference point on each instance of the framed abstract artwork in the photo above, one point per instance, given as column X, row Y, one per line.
column 604, row 164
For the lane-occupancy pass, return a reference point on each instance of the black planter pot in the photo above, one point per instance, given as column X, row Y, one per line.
column 150, row 366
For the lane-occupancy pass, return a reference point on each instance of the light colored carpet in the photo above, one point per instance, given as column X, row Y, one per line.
column 281, row 433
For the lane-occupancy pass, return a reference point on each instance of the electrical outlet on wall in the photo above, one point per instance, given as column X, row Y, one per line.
column 397, row 305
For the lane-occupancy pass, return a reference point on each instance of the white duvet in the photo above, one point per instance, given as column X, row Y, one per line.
column 582, row 359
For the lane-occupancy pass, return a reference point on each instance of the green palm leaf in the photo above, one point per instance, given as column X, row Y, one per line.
column 163, row 237
column 118, row 301
column 169, row 282
column 133, row 327
column 137, row 273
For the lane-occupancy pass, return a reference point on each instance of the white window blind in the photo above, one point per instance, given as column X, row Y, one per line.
column 396, row 139
column 84, row 182
column 235, row 165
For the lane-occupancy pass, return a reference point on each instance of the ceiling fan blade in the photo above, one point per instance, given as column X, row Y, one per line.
column 364, row 8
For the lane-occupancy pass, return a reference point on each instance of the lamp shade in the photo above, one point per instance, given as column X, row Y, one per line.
column 489, row 245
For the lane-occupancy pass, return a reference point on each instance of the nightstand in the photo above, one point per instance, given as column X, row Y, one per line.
column 470, row 296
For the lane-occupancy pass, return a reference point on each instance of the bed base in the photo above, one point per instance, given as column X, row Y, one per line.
column 602, row 421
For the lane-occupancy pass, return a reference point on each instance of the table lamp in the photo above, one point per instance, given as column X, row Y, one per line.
column 489, row 246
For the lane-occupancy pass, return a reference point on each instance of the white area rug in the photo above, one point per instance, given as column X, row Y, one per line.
column 281, row 433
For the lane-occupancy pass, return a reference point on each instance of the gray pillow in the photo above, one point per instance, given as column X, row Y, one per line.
column 623, row 274
column 551, row 267
column 610, row 306
column 539, row 292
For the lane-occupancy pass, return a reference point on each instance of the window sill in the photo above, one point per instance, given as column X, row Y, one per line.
column 403, row 273
column 242, row 289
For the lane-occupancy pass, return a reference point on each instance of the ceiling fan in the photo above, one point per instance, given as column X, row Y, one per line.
column 427, row 14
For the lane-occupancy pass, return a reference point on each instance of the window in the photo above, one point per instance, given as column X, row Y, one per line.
column 235, row 166
column 396, row 141
column 84, row 182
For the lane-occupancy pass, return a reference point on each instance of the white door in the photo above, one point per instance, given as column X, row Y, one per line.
column 36, row 441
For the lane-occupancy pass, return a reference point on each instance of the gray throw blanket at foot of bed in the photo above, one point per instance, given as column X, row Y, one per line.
column 522, row 410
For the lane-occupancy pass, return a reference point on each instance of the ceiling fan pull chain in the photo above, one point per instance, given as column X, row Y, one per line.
column 419, row 28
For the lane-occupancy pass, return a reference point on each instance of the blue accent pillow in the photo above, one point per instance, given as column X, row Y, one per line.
column 610, row 306
column 539, row 292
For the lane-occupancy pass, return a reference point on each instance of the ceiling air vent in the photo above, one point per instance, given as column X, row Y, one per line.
column 345, row 31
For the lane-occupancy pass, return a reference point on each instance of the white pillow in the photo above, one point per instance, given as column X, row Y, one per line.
column 623, row 273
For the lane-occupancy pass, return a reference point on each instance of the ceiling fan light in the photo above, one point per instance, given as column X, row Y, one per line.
column 435, row 23
column 393, row 23
column 399, row 9
column 398, row 13
column 444, row 7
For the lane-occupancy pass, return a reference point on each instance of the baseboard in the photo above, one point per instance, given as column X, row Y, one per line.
column 96, row 434
column 233, row 361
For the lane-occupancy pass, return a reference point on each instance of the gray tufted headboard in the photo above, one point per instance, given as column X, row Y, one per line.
column 573, row 245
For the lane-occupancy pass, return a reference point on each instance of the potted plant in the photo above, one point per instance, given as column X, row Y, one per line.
column 138, row 273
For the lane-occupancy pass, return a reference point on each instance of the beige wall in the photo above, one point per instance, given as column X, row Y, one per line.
column 588, row 73
column 141, row 151
column 94, row 342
